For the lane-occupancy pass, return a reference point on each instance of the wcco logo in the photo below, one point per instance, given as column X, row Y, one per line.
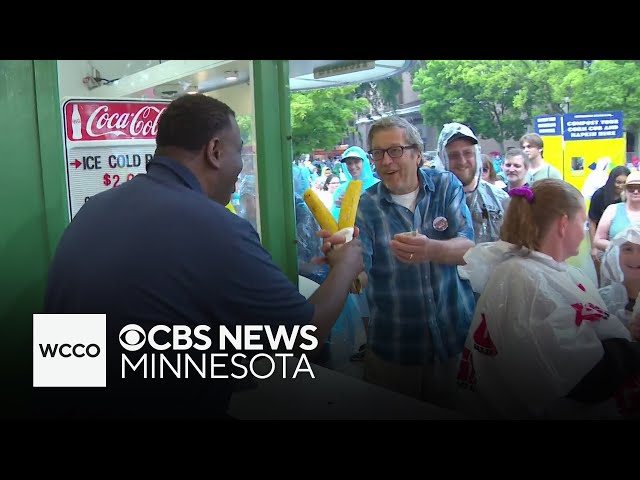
column 79, row 350
column 69, row 350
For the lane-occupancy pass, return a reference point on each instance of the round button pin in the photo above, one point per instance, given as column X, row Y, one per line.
column 440, row 224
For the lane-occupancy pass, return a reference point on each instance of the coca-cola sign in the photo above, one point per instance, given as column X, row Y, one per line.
column 112, row 120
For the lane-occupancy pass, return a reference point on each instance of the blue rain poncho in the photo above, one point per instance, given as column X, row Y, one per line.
column 366, row 176
column 341, row 341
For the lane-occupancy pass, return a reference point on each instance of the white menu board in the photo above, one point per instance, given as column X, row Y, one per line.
column 107, row 143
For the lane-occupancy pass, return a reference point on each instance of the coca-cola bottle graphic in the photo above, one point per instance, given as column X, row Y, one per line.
column 76, row 124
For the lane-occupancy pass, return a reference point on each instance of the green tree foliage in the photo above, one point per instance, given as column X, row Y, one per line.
column 244, row 123
column 610, row 85
column 547, row 85
column 500, row 98
column 480, row 93
column 382, row 95
column 320, row 119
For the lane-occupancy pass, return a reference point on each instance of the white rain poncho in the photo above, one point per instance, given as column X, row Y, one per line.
column 610, row 271
column 536, row 333
column 596, row 178
column 487, row 203
column 449, row 130
column 613, row 292
column 615, row 298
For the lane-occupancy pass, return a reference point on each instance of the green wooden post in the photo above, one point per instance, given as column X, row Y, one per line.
column 30, row 146
column 54, row 184
column 274, row 157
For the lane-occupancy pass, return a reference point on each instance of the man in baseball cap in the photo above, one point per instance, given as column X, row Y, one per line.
column 355, row 166
column 459, row 152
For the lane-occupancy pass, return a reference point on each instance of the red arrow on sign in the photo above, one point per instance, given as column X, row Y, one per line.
column 77, row 163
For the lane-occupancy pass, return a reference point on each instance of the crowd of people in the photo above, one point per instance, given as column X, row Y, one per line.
column 497, row 329
column 469, row 302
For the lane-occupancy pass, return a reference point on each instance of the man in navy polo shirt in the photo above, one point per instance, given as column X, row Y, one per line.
column 163, row 249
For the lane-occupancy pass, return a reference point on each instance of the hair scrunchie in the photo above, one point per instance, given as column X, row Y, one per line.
column 525, row 192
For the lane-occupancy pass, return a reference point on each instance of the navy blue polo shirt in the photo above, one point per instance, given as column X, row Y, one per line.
column 157, row 250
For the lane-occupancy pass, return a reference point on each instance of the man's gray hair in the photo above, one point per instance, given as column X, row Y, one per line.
column 516, row 152
column 411, row 133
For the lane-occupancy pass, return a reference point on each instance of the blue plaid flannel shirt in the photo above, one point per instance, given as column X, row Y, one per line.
column 419, row 313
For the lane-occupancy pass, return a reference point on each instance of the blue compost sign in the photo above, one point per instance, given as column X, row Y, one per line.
column 593, row 126
column 548, row 125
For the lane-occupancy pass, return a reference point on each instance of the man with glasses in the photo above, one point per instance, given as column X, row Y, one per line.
column 415, row 228
column 459, row 152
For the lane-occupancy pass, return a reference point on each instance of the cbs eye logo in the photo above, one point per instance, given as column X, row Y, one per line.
column 132, row 337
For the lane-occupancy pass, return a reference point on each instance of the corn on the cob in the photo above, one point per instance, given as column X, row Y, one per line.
column 319, row 211
column 327, row 222
column 356, row 286
column 349, row 206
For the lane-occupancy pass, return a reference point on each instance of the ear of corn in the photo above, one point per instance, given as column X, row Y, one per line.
column 320, row 212
column 347, row 218
column 349, row 206
column 356, row 286
column 347, row 215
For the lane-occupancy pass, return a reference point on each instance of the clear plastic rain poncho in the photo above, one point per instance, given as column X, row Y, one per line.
column 366, row 176
column 487, row 202
column 342, row 338
column 451, row 130
column 536, row 332
column 610, row 270
column 613, row 291
column 306, row 227
column 596, row 178
column 248, row 202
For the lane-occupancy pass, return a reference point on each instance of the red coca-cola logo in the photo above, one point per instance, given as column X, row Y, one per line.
column 105, row 120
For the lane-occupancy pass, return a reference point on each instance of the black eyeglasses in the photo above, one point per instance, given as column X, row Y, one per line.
column 485, row 170
column 393, row 152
